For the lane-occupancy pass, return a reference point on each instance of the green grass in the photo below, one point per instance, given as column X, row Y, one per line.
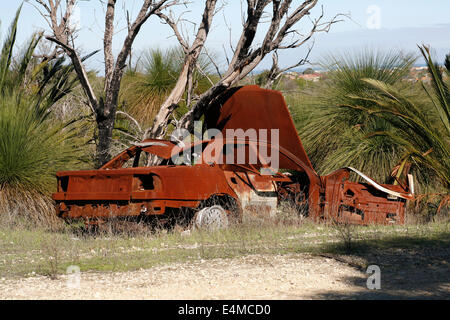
column 336, row 136
column 38, row 252
column 365, row 115
column 34, row 143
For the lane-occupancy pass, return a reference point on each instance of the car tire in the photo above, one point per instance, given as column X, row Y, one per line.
column 211, row 218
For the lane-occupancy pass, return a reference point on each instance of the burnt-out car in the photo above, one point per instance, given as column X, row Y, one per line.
column 228, row 174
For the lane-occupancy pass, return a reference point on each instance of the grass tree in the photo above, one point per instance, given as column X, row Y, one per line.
column 335, row 134
column 422, row 131
column 32, row 145
column 144, row 90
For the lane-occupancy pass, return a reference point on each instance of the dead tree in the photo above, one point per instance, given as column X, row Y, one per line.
column 184, row 82
column 59, row 17
column 246, row 55
column 275, row 72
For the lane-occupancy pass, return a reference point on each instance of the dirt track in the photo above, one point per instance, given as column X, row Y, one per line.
column 301, row 276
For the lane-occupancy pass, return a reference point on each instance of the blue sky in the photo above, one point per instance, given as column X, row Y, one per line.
column 377, row 24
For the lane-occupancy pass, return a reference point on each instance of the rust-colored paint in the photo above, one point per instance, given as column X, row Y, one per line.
column 360, row 203
column 251, row 107
column 114, row 190
column 160, row 148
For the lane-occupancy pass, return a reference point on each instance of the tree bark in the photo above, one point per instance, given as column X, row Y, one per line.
column 192, row 53
column 105, row 129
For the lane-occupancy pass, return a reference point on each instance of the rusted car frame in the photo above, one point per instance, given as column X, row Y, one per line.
column 124, row 187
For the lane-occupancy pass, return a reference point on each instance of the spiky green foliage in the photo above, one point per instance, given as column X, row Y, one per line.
column 336, row 135
column 423, row 140
column 422, row 132
column 7, row 50
column 441, row 92
column 144, row 91
column 33, row 145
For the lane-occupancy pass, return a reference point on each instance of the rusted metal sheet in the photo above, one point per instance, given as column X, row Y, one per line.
column 251, row 107
column 362, row 203
column 123, row 188
column 255, row 193
column 160, row 148
column 161, row 186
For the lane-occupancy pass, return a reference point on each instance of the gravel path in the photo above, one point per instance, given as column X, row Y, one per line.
column 251, row 277
column 300, row 276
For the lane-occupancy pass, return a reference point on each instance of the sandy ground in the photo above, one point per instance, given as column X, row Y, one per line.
column 301, row 276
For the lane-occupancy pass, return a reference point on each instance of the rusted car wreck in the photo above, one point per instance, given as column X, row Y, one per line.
column 208, row 190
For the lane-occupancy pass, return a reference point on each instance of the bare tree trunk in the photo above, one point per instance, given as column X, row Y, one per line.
column 170, row 104
column 192, row 53
column 105, row 128
column 58, row 18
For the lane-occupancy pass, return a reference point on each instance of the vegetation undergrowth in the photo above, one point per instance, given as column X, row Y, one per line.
column 28, row 252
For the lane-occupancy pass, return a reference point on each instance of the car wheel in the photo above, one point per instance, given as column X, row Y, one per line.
column 211, row 218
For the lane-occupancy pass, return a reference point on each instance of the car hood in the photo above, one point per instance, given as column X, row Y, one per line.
column 251, row 107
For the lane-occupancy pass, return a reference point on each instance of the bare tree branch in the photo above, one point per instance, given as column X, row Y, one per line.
column 169, row 20
column 275, row 72
column 136, row 123
column 185, row 78
column 107, row 41
column 213, row 62
column 81, row 72
column 246, row 56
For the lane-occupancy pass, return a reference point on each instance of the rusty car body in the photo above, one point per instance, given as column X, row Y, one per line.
column 124, row 187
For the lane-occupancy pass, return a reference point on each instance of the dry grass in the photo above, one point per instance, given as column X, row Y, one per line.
column 346, row 233
column 27, row 251
column 25, row 209
column 429, row 208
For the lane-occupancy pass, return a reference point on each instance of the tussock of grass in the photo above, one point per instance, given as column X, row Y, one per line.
column 33, row 146
column 27, row 210
column 32, row 149
column 336, row 135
